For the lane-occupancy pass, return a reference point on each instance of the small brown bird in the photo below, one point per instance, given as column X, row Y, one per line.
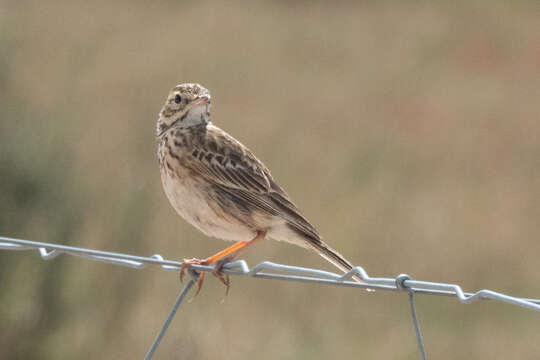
column 217, row 185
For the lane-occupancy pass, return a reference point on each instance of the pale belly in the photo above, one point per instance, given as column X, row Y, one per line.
column 189, row 199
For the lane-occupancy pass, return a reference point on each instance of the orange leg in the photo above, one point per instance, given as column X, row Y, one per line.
column 220, row 258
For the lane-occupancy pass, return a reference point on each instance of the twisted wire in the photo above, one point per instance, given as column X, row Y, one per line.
column 270, row 270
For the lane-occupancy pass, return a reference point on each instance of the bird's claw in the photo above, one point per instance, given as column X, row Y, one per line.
column 224, row 278
column 186, row 264
column 217, row 272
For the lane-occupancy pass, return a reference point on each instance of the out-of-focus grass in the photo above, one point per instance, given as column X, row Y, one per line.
column 408, row 133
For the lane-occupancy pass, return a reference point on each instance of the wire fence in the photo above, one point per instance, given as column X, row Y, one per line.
column 270, row 270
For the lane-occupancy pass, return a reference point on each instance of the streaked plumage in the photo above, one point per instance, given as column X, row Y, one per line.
column 218, row 185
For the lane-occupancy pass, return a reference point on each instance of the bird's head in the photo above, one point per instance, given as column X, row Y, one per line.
column 187, row 105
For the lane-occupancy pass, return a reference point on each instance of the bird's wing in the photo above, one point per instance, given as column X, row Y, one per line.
column 225, row 162
column 222, row 160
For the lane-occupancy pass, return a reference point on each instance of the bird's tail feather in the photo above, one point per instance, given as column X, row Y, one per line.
column 313, row 240
column 334, row 257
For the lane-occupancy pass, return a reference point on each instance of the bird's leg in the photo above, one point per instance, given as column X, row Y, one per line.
column 220, row 258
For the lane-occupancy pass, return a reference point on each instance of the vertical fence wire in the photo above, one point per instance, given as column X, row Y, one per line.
column 175, row 307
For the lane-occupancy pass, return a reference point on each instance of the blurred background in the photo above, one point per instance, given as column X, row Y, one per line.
column 407, row 132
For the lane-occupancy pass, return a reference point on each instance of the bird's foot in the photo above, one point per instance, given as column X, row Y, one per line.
column 220, row 259
column 217, row 272
column 186, row 264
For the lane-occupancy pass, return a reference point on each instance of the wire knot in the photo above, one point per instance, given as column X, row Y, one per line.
column 400, row 282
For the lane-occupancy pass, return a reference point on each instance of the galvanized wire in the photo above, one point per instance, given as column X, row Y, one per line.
column 400, row 280
column 270, row 270
column 165, row 326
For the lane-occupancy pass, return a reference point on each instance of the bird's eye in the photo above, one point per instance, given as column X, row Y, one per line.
column 178, row 99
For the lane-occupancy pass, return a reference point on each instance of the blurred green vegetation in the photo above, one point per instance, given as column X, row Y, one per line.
column 408, row 132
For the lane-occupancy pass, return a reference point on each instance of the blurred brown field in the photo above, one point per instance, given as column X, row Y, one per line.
column 407, row 132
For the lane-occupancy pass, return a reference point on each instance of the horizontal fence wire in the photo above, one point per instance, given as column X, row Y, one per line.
column 270, row 270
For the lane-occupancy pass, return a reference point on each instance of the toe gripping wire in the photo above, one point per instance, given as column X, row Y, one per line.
column 400, row 285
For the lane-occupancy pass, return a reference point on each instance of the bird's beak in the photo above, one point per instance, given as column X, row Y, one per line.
column 201, row 100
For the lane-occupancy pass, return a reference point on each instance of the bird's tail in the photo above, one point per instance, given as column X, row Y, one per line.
column 308, row 233
column 334, row 257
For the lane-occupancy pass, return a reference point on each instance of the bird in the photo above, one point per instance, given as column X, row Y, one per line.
column 221, row 188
